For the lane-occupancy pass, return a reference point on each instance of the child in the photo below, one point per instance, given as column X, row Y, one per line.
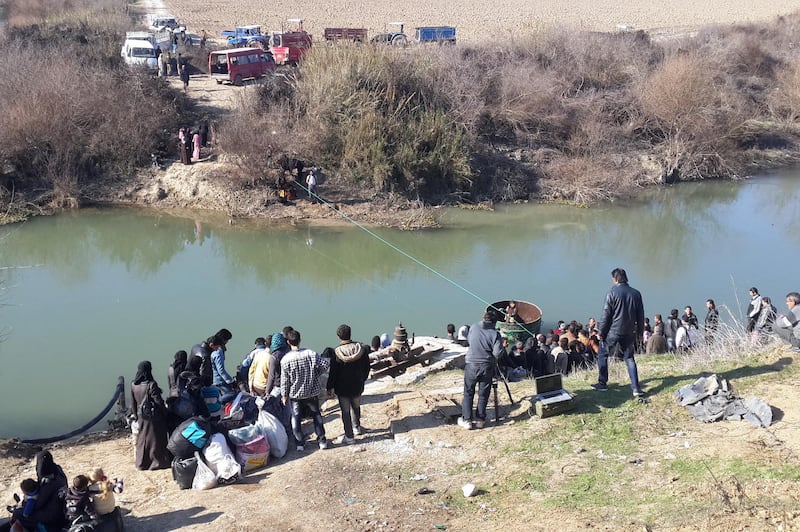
column 79, row 504
column 30, row 492
column 103, row 492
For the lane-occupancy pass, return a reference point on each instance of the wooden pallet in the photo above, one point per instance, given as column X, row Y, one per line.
column 417, row 355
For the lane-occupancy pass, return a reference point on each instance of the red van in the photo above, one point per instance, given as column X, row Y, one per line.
column 238, row 64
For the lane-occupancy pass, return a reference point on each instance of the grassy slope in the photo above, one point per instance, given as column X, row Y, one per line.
column 628, row 465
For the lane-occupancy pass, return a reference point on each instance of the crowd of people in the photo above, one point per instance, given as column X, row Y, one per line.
column 287, row 379
column 574, row 345
column 622, row 331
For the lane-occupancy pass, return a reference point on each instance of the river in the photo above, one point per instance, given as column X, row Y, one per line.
column 86, row 295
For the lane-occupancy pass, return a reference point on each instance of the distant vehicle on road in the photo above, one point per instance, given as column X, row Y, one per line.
column 234, row 65
column 289, row 47
column 139, row 49
column 394, row 38
column 435, row 34
column 162, row 22
column 354, row 35
column 250, row 36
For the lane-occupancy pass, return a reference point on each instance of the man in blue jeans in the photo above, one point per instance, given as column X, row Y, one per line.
column 300, row 387
column 485, row 346
column 621, row 326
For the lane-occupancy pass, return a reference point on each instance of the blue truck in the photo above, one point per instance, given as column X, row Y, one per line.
column 246, row 36
column 435, row 34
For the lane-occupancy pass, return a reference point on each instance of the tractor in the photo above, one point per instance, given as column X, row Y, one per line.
column 394, row 38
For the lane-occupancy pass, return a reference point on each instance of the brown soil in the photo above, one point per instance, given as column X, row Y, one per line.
column 474, row 20
column 407, row 472
column 218, row 184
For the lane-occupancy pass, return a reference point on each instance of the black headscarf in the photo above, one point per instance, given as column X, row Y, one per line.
column 194, row 363
column 45, row 465
column 144, row 373
column 180, row 362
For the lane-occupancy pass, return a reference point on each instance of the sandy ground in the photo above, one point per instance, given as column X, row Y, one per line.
column 476, row 20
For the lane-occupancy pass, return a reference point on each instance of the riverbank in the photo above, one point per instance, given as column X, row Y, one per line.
column 606, row 116
column 610, row 464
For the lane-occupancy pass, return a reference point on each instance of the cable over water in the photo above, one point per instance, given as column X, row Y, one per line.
column 403, row 252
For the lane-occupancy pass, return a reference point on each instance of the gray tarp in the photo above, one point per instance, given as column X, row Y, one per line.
column 711, row 399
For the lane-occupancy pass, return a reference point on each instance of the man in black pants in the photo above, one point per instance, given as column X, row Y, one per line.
column 485, row 346
column 621, row 327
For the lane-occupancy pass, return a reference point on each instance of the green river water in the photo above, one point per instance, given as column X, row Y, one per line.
column 94, row 292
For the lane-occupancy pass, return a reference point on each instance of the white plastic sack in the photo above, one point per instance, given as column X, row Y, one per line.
column 275, row 433
column 220, row 458
column 204, row 478
column 216, row 449
column 228, row 470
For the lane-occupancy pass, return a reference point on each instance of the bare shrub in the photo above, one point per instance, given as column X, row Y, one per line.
column 65, row 121
column 784, row 101
column 586, row 180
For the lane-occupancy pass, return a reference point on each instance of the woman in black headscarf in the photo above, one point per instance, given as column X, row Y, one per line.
column 174, row 370
column 151, row 441
column 48, row 513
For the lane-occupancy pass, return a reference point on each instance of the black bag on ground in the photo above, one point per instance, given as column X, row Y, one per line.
column 183, row 470
column 190, row 436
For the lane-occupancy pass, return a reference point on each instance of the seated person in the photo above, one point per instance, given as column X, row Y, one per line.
column 576, row 356
column 560, row 356
column 511, row 312
column 451, row 332
column 103, row 500
column 45, row 507
column 79, row 503
column 657, row 343
column 461, row 338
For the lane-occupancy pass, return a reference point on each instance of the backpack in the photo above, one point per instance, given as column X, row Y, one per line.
column 188, row 437
column 148, row 408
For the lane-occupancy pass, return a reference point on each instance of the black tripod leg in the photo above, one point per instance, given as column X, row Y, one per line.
column 496, row 404
column 505, row 382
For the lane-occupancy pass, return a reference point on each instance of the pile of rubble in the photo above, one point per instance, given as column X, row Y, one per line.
column 712, row 399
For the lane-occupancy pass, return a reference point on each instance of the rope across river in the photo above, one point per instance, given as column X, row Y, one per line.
column 461, row 287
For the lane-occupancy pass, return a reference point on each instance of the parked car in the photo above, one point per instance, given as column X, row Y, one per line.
column 238, row 64
column 162, row 22
column 139, row 49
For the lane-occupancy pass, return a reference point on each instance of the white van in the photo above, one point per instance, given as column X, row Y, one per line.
column 139, row 49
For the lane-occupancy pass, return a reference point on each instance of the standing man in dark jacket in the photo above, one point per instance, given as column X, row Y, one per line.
column 485, row 346
column 622, row 326
column 204, row 350
column 349, row 371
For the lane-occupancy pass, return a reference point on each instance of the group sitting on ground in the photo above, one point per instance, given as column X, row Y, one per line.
column 48, row 504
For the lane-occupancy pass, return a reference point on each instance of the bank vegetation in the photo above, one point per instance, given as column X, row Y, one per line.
column 562, row 115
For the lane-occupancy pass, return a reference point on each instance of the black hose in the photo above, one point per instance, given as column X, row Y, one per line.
column 87, row 426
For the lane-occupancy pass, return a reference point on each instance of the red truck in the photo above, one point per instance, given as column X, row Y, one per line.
column 354, row 35
column 289, row 47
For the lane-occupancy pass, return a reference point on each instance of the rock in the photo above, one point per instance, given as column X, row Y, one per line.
column 469, row 490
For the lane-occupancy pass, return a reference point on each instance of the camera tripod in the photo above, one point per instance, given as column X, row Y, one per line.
column 499, row 375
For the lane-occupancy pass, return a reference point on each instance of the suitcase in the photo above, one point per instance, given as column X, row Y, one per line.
column 551, row 399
